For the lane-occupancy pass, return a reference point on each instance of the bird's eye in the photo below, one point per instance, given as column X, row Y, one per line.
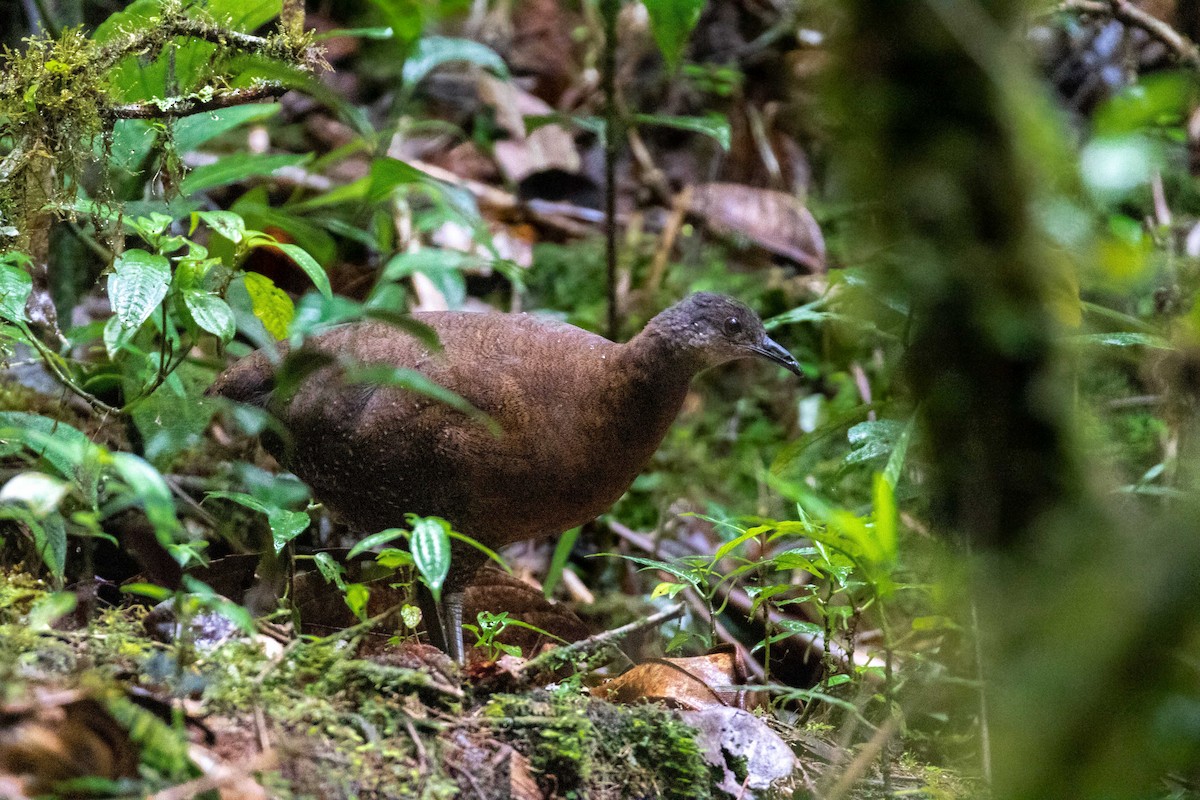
column 733, row 326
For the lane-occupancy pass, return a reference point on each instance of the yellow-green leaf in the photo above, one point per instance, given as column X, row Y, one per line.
column 270, row 304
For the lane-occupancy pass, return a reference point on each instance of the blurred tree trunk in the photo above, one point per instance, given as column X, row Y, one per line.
column 947, row 143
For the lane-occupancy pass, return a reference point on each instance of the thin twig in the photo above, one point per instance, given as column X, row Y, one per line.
column 609, row 9
column 559, row 655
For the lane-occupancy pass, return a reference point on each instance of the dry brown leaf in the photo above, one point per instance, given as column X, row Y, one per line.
column 772, row 220
column 698, row 682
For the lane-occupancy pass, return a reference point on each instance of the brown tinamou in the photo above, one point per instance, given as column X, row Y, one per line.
column 578, row 418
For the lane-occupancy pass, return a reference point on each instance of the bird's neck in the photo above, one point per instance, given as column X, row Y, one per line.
column 654, row 381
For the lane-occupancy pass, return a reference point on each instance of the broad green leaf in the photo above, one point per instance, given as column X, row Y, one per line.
column 174, row 417
column 671, row 23
column 873, row 439
column 50, row 539
column 235, row 167
column 394, row 558
column 40, row 492
column 410, row 616
column 149, row 486
column 270, row 304
column 65, row 448
column 376, row 540
column 430, row 546
column 443, row 267
column 433, row 51
column 330, row 570
column 285, row 525
column 138, row 285
column 193, row 131
column 405, row 19
column 712, row 126
column 15, row 287
column 311, row 268
column 388, row 173
column 210, row 313
column 357, row 598
column 255, row 208
column 49, row 609
column 226, row 223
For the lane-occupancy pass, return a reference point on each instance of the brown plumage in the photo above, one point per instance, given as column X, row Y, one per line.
column 578, row 417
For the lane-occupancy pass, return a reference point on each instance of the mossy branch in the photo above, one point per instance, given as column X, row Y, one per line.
column 150, row 40
column 196, row 103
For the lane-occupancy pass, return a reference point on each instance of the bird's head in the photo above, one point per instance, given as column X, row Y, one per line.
column 713, row 329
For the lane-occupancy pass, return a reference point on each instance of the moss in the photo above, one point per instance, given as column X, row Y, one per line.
column 582, row 747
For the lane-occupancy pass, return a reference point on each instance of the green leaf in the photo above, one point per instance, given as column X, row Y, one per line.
column 330, row 570
column 49, row 609
column 40, row 492
column 148, row 485
column 712, row 126
column 394, row 558
column 226, row 223
column 671, row 23
column 50, row 539
column 67, row 449
column 235, row 167
column 733, row 544
column 1121, row 339
column 270, row 304
column 285, row 525
column 210, row 313
column 138, row 285
column 376, row 540
column 433, row 51
column 150, row 590
column 311, row 268
column 15, row 288
column 873, row 439
column 443, row 267
column 191, row 132
column 558, row 562
column 895, row 462
column 357, row 598
column 885, row 518
column 430, row 546
column 388, row 173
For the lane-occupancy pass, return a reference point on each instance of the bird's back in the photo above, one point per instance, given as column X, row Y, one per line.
column 573, row 425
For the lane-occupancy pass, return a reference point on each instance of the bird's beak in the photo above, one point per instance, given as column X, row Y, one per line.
column 770, row 349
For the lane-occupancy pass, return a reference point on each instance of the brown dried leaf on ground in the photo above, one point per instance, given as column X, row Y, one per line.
column 716, row 679
column 774, row 221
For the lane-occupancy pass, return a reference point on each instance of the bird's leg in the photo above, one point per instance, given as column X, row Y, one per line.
column 450, row 617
